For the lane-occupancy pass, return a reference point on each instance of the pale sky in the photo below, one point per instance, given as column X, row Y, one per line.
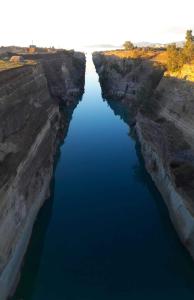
column 68, row 23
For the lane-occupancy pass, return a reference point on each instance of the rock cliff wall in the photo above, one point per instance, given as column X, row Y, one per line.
column 130, row 80
column 164, row 123
column 33, row 119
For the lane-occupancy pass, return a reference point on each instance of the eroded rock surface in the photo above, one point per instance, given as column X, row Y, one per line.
column 33, row 119
column 161, row 105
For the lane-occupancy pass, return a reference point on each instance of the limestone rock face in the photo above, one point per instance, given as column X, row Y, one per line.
column 169, row 159
column 64, row 73
column 31, row 126
column 164, row 123
column 126, row 78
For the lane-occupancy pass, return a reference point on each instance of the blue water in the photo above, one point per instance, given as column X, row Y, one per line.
column 105, row 233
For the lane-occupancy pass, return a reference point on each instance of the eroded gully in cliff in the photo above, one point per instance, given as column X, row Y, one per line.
column 105, row 232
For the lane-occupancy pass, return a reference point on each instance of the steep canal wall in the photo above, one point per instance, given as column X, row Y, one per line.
column 160, row 105
column 32, row 124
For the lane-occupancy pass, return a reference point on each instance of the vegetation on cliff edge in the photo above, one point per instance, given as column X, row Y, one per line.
column 177, row 57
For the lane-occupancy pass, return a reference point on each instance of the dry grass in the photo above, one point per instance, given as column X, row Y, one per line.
column 137, row 53
column 6, row 64
column 157, row 56
column 161, row 57
column 185, row 73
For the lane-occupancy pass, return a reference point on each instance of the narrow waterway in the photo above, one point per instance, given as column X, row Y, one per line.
column 105, row 232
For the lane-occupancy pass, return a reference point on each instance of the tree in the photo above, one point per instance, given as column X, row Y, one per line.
column 128, row 45
column 188, row 50
column 178, row 57
column 172, row 60
column 189, row 37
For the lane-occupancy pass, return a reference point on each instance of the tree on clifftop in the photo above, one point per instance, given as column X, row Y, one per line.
column 177, row 57
column 173, row 60
column 188, row 50
column 128, row 45
column 189, row 37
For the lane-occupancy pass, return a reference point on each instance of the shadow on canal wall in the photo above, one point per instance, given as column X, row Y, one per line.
column 141, row 174
column 32, row 259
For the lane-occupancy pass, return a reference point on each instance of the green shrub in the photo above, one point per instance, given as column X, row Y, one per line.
column 176, row 58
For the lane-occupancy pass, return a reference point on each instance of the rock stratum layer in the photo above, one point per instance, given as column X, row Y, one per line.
column 161, row 106
column 36, row 103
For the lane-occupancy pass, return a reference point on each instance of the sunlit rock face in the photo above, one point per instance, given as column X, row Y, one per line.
column 33, row 119
column 162, row 108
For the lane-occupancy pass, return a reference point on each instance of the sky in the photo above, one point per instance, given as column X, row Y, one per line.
column 77, row 23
